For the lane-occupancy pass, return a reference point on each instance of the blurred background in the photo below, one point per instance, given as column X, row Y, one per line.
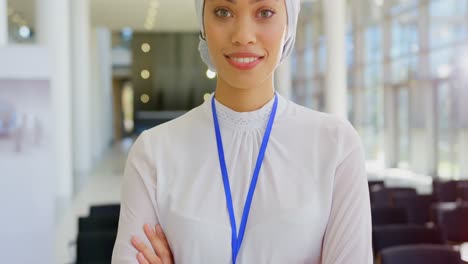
column 80, row 79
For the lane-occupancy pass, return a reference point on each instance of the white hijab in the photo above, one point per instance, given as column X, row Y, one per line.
column 292, row 8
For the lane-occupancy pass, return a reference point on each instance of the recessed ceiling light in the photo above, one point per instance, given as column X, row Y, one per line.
column 144, row 98
column 145, row 74
column 210, row 74
column 24, row 32
column 145, row 47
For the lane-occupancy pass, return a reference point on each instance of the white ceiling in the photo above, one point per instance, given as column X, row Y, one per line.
column 172, row 15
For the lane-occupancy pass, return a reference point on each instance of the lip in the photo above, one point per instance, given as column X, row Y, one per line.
column 244, row 66
column 243, row 55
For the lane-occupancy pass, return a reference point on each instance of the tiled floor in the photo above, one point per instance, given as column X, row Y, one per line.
column 102, row 186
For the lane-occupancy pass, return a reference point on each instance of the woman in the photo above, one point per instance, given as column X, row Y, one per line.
column 248, row 176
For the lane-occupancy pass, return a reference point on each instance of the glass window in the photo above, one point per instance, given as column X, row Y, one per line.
column 448, row 22
column 405, row 35
column 374, row 51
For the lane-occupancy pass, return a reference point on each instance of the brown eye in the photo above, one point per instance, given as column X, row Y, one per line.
column 222, row 12
column 266, row 13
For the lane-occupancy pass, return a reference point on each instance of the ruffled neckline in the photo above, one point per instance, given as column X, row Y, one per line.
column 256, row 119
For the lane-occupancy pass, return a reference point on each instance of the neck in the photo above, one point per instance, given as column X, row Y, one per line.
column 242, row 99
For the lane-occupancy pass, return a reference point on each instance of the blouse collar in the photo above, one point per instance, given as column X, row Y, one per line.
column 253, row 119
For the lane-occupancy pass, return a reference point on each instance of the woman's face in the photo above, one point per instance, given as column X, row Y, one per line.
column 245, row 39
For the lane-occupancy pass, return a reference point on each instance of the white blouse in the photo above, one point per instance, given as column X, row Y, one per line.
column 311, row 204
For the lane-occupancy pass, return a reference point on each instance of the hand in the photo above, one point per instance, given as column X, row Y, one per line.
column 161, row 252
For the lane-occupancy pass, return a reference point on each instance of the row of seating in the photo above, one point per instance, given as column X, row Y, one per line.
column 96, row 234
column 407, row 227
column 413, row 228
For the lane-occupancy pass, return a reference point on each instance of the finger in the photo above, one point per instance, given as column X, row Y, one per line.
column 148, row 253
column 141, row 258
column 158, row 245
column 160, row 233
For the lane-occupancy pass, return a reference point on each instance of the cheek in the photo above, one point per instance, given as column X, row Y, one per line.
column 216, row 38
column 272, row 38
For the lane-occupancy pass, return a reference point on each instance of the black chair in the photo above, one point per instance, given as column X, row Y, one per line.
column 445, row 191
column 96, row 224
column 397, row 235
column 454, row 224
column 463, row 192
column 421, row 254
column 375, row 183
column 418, row 207
column 107, row 210
column 380, row 196
column 383, row 196
column 388, row 216
column 95, row 247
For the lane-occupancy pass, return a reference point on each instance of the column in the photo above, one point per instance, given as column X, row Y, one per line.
column 53, row 32
column 283, row 79
column 3, row 23
column 462, row 123
column 101, row 98
column 358, row 88
column 423, row 126
column 390, row 109
column 335, row 89
column 82, row 125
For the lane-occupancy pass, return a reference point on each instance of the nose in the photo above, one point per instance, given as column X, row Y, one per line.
column 244, row 32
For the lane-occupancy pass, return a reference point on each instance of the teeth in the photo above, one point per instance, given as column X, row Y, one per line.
column 245, row 60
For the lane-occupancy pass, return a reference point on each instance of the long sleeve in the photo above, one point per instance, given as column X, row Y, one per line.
column 138, row 200
column 348, row 236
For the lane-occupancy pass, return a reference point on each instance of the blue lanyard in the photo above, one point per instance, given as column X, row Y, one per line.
column 235, row 240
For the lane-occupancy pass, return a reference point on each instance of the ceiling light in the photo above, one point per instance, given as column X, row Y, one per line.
column 127, row 33
column 24, row 32
column 145, row 74
column 210, row 74
column 144, row 98
column 145, row 47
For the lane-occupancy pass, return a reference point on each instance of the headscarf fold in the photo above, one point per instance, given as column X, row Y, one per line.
column 292, row 9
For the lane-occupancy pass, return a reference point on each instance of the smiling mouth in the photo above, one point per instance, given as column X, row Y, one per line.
column 244, row 60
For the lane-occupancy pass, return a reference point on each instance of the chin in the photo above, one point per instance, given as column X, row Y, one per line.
column 243, row 82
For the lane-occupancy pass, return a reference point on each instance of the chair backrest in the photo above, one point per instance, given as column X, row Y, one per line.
column 105, row 210
column 375, row 183
column 421, row 254
column 97, row 224
column 445, row 191
column 384, row 196
column 418, row 207
column 388, row 216
column 397, row 235
column 402, row 191
column 463, row 192
column 95, row 246
column 380, row 196
column 454, row 224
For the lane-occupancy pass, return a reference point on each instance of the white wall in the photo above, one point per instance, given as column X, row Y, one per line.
column 28, row 182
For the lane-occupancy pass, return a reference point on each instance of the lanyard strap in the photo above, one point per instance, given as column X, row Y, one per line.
column 236, row 241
